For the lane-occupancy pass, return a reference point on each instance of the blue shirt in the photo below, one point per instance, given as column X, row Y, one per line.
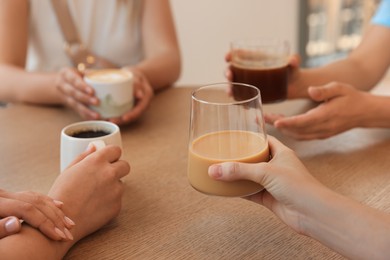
column 382, row 15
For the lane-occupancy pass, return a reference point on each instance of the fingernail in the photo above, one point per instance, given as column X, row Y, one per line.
column 58, row 203
column 60, row 233
column 12, row 225
column 215, row 171
column 69, row 221
column 68, row 234
column 90, row 147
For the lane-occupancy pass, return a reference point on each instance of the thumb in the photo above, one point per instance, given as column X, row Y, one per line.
column 256, row 172
column 231, row 171
column 9, row 226
column 328, row 91
column 90, row 149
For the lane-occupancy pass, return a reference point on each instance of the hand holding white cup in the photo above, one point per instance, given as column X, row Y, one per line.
column 114, row 89
column 76, row 138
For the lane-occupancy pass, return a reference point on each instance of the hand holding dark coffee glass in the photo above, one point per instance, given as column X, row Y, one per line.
column 262, row 63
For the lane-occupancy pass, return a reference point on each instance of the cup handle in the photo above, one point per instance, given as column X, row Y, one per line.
column 99, row 144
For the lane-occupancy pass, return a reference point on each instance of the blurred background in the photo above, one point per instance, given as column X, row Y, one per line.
column 319, row 30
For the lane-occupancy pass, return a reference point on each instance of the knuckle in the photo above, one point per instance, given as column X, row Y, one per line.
column 44, row 222
column 263, row 168
column 78, row 95
column 236, row 168
column 96, row 158
column 111, row 173
column 70, row 101
column 28, row 208
column 231, row 169
column 34, row 197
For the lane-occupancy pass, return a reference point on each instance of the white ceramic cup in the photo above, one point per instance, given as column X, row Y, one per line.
column 72, row 144
column 114, row 89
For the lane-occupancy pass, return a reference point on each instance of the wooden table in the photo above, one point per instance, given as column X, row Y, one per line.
column 162, row 216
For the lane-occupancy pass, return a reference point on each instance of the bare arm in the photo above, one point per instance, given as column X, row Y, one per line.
column 363, row 68
column 342, row 108
column 31, row 244
column 17, row 85
column 307, row 206
column 162, row 63
column 98, row 173
column 348, row 227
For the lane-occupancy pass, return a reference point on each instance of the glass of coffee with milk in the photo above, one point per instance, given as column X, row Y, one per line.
column 224, row 127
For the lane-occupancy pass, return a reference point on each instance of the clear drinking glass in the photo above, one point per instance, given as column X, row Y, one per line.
column 262, row 63
column 225, row 126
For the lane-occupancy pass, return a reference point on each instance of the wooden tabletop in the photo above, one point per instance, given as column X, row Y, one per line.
column 163, row 217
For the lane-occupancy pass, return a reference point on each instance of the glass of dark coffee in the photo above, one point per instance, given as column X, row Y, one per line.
column 262, row 63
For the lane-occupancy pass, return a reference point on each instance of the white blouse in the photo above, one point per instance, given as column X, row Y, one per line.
column 109, row 28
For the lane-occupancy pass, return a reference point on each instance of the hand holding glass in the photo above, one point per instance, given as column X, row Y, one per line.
column 262, row 63
column 225, row 127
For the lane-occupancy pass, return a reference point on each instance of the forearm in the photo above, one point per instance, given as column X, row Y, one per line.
column 377, row 113
column 347, row 71
column 161, row 70
column 352, row 229
column 363, row 68
column 161, row 63
column 18, row 85
column 32, row 244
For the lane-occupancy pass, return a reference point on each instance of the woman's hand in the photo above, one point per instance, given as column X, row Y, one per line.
column 91, row 189
column 37, row 210
column 309, row 207
column 289, row 191
column 342, row 108
column 143, row 93
column 76, row 94
column 295, row 89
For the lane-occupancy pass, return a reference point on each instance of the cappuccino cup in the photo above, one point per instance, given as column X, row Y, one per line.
column 76, row 138
column 114, row 89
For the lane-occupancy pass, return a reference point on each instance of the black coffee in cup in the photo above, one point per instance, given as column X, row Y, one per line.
column 90, row 133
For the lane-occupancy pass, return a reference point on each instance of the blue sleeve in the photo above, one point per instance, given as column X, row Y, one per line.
column 382, row 15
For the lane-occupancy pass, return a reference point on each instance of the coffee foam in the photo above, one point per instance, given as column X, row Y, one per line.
column 108, row 76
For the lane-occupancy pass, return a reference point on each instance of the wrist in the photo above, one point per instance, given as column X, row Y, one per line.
column 30, row 243
column 314, row 210
column 376, row 113
column 55, row 80
column 301, row 84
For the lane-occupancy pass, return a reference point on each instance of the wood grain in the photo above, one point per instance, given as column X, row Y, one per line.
column 162, row 216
